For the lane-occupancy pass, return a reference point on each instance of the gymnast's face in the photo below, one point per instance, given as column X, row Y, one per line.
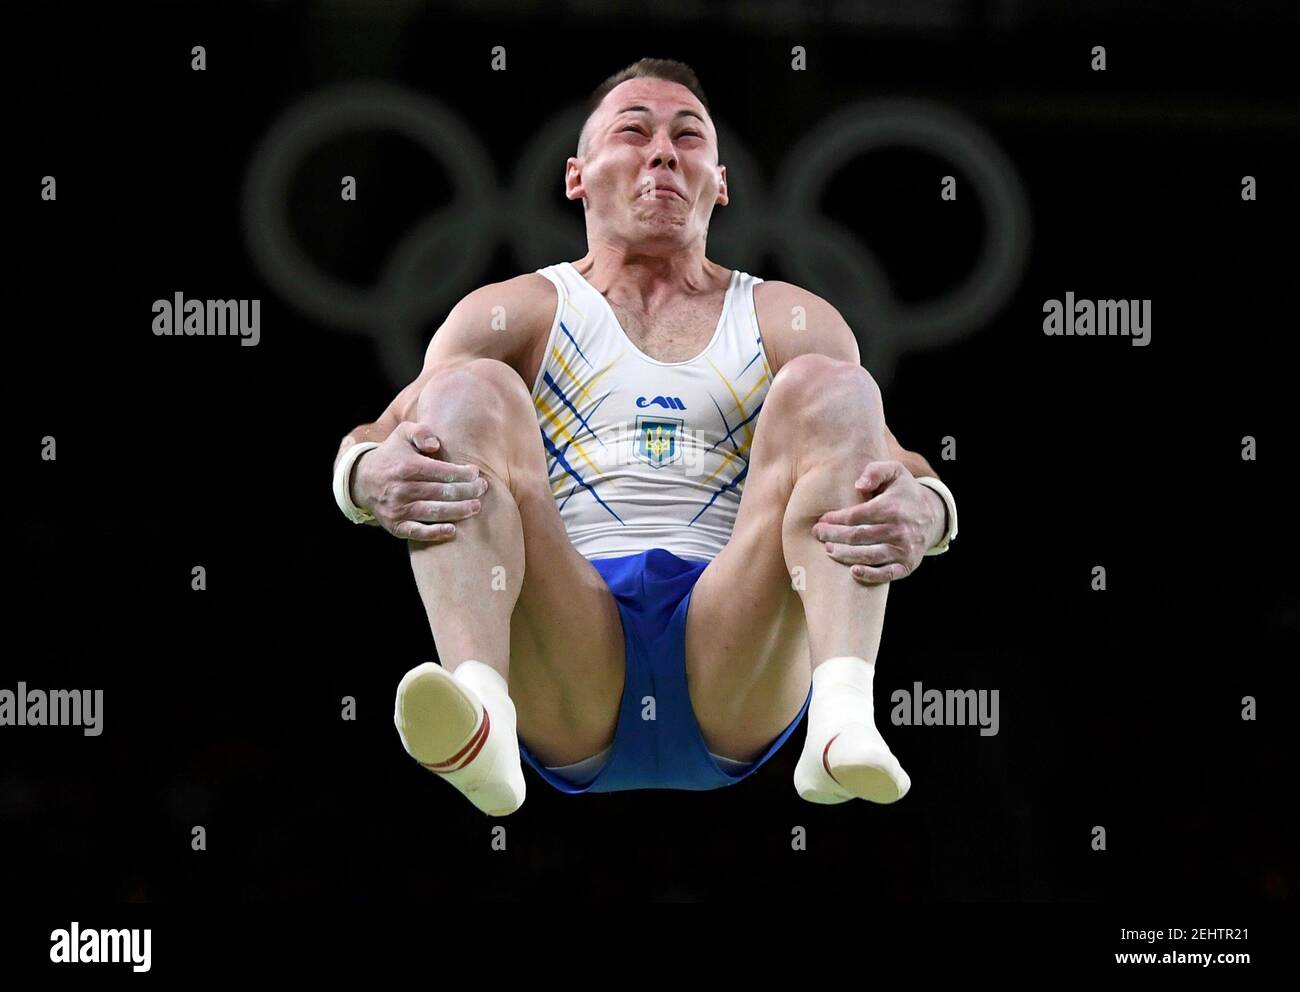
column 647, row 168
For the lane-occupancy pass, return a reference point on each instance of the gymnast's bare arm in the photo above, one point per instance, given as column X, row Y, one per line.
column 411, row 491
column 896, row 517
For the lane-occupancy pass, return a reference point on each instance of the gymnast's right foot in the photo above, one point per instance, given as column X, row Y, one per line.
column 461, row 726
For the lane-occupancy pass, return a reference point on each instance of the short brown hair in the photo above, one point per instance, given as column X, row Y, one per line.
column 667, row 69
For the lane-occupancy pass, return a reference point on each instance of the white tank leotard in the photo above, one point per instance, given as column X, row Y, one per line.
column 641, row 453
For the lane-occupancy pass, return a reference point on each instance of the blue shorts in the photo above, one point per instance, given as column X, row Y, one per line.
column 653, row 593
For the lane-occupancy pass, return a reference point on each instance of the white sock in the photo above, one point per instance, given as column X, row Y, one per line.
column 461, row 726
column 842, row 734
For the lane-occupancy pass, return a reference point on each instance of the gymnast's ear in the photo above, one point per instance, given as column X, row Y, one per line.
column 573, row 181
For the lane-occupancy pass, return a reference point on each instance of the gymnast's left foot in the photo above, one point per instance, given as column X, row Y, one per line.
column 844, row 757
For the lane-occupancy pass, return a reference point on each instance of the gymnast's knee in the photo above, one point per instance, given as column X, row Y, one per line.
column 826, row 397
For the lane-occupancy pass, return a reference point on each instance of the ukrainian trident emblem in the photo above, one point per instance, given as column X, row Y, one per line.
column 656, row 440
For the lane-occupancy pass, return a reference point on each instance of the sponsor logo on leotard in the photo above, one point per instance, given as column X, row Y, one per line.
column 667, row 402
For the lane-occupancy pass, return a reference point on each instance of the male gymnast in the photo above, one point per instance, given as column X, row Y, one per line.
column 605, row 604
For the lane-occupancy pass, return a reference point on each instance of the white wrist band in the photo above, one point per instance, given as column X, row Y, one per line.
column 343, row 483
column 945, row 494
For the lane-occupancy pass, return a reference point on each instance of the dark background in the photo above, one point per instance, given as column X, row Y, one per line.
column 222, row 708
